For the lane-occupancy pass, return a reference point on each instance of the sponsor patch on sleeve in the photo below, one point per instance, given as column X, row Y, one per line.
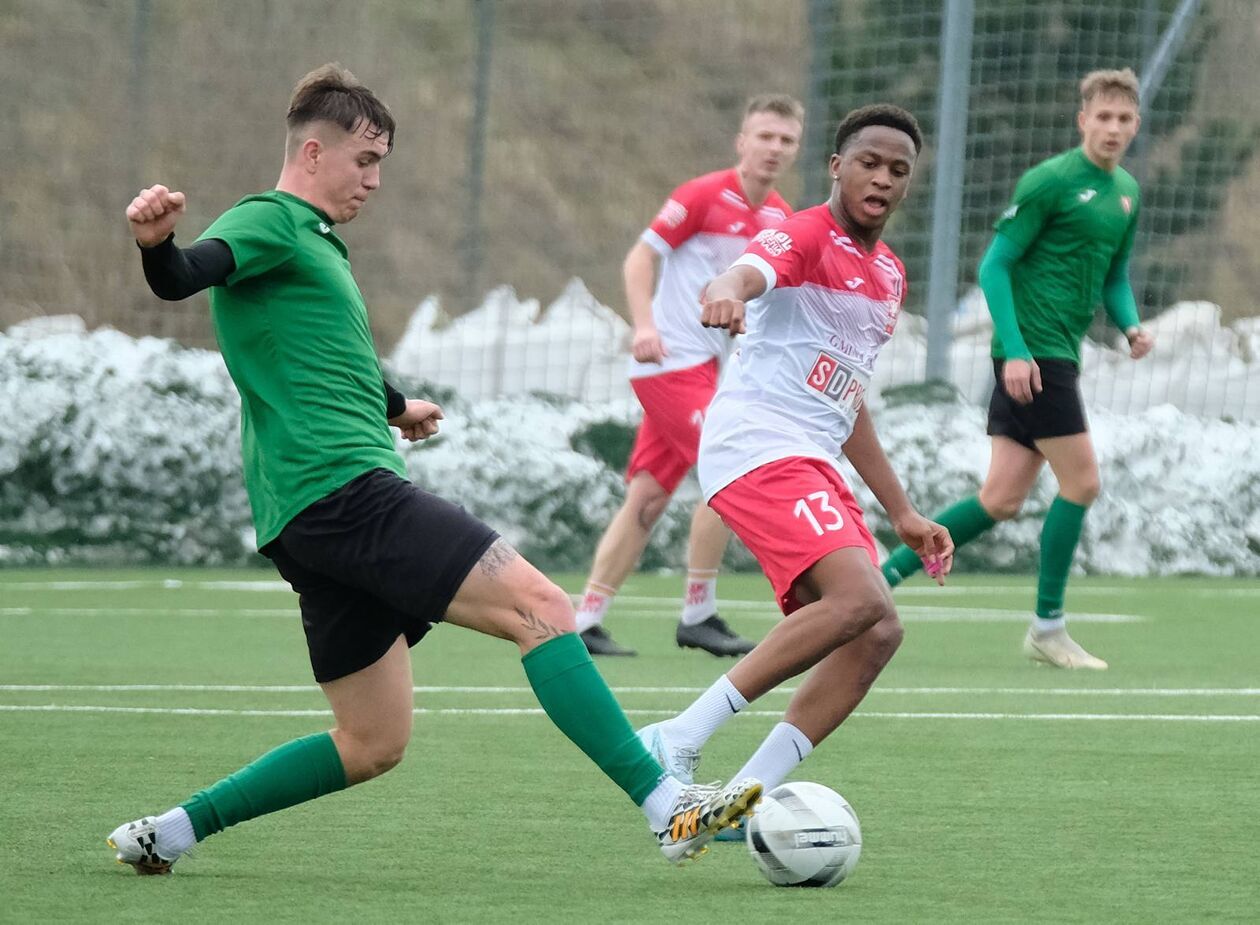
column 673, row 213
column 776, row 243
column 1010, row 213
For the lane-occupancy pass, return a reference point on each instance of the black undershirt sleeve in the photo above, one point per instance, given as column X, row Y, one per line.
column 175, row 273
column 395, row 401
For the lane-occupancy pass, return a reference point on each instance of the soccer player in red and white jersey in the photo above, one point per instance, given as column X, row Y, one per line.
column 830, row 293
column 704, row 225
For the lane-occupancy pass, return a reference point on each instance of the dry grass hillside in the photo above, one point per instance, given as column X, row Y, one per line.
column 597, row 108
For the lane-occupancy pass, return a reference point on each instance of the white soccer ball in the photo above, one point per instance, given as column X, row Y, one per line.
column 804, row 834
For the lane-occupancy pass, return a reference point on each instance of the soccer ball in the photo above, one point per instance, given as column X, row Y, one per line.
column 804, row 834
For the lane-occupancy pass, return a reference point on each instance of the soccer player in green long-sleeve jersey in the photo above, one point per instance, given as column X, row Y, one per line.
column 1061, row 247
column 376, row 560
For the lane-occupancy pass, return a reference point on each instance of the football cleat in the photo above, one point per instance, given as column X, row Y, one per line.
column 1059, row 649
column 679, row 761
column 714, row 636
column 136, row 844
column 598, row 641
column 703, row 811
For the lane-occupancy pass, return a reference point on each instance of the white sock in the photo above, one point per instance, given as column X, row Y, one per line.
column 700, row 600
column 784, row 748
column 694, row 725
column 595, row 601
column 1042, row 626
column 175, row 833
column 659, row 805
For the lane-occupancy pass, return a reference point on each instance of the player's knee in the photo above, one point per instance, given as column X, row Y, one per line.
column 885, row 638
column 1085, row 491
column 650, row 508
column 388, row 756
column 1001, row 508
column 366, row 757
column 546, row 602
column 857, row 612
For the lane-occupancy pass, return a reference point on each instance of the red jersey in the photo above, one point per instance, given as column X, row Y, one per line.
column 704, row 225
column 795, row 386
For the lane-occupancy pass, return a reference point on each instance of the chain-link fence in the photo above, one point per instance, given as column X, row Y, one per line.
column 537, row 137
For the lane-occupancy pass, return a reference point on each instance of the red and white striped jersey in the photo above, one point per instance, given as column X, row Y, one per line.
column 795, row 385
column 704, row 225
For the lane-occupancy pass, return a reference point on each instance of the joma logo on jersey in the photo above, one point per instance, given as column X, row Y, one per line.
column 836, row 381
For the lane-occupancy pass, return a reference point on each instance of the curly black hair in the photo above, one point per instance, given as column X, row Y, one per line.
column 878, row 114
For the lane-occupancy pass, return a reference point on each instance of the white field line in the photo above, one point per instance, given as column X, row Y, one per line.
column 525, row 711
column 909, row 614
column 491, row 689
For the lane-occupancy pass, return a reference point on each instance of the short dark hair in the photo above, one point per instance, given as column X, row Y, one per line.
column 332, row 94
column 878, row 114
column 778, row 103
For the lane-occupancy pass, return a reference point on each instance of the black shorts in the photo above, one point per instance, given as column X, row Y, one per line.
column 377, row 559
column 1055, row 411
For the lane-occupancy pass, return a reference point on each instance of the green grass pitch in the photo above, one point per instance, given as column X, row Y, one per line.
column 989, row 789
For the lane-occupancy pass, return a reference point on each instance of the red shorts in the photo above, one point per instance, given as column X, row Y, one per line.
column 790, row 513
column 668, row 442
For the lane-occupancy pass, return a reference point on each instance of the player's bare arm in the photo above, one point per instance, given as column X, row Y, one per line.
column 724, row 298
column 419, row 421
column 639, row 274
column 154, row 213
column 929, row 540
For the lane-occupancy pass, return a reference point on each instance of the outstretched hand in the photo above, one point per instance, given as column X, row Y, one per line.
column 154, row 214
column 419, row 421
column 930, row 541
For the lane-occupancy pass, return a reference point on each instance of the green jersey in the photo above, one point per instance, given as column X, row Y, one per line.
column 1073, row 220
column 293, row 329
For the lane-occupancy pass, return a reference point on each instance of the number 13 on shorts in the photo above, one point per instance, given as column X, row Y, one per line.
column 817, row 510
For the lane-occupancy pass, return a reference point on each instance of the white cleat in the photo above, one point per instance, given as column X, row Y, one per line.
column 678, row 761
column 1059, row 649
column 136, row 844
column 701, row 812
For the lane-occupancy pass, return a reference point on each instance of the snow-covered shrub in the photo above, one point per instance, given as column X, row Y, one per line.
column 114, row 449
column 119, row 450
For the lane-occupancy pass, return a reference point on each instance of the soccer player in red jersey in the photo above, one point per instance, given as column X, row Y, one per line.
column 703, row 226
column 828, row 296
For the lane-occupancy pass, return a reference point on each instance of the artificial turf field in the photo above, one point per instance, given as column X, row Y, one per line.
column 988, row 788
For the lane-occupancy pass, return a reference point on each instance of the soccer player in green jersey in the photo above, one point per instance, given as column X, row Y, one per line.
column 1061, row 247
column 377, row 560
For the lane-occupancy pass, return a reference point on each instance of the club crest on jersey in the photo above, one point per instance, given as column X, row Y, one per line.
column 830, row 378
column 1087, row 194
column 673, row 213
column 736, row 227
column 1126, row 203
column 775, row 243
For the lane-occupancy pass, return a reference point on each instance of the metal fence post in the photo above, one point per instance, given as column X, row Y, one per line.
column 821, row 20
column 483, row 13
column 951, row 140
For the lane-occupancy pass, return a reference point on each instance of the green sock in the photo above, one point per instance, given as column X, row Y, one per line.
column 1059, row 536
column 295, row 772
column 965, row 520
column 577, row 700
